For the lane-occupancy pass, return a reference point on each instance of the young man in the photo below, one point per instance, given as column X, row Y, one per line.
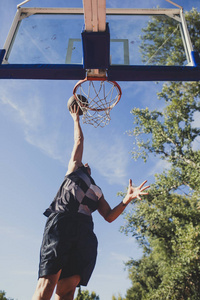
column 69, row 247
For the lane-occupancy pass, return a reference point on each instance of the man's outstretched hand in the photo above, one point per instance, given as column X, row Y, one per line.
column 74, row 111
column 135, row 192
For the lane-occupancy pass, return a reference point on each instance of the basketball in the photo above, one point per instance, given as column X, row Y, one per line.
column 72, row 101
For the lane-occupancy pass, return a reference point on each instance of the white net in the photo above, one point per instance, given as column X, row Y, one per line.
column 102, row 96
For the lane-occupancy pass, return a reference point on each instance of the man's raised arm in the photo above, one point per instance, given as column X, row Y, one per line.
column 77, row 152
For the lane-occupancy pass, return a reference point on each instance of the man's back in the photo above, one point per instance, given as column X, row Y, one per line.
column 77, row 194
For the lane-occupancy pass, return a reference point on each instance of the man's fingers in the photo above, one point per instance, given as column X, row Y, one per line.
column 74, row 109
column 145, row 187
column 141, row 185
column 130, row 182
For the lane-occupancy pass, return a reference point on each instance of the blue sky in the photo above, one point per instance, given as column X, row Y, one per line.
column 36, row 143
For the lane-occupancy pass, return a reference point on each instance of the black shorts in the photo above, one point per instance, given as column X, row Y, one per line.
column 69, row 244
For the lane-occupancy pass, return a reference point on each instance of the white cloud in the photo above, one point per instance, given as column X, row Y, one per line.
column 48, row 143
column 23, row 273
column 159, row 166
column 12, row 232
column 9, row 234
column 142, row 95
column 119, row 257
column 41, row 122
column 109, row 158
column 106, row 276
column 29, row 114
column 26, row 112
column 35, row 111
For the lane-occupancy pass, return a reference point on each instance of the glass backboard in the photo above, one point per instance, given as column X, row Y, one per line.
column 137, row 37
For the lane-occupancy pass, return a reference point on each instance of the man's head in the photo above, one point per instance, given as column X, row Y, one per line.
column 88, row 168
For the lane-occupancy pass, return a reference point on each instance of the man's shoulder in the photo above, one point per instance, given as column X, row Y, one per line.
column 73, row 166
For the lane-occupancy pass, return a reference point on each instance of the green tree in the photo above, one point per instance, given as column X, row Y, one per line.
column 3, row 296
column 119, row 297
column 167, row 223
column 161, row 39
column 85, row 295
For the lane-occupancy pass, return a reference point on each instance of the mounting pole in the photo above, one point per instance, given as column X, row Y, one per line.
column 174, row 4
column 22, row 3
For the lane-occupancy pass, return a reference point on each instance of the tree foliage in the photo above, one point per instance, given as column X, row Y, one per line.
column 119, row 297
column 161, row 39
column 167, row 223
column 3, row 296
column 86, row 295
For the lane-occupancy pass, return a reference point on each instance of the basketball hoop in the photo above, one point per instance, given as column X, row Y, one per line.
column 102, row 95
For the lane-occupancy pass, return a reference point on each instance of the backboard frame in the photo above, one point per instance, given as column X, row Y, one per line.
column 116, row 73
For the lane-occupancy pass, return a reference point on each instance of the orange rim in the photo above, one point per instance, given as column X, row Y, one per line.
column 114, row 83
